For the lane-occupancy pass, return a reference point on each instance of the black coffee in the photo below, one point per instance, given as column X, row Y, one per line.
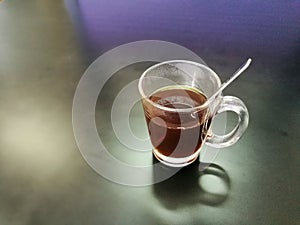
column 177, row 134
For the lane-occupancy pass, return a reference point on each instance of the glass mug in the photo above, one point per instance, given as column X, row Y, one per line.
column 175, row 98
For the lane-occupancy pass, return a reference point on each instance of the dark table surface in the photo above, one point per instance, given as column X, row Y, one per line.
column 45, row 47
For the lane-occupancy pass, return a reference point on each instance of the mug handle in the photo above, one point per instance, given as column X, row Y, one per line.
column 234, row 104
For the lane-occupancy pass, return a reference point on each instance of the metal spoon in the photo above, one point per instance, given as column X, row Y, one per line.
column 232, row 78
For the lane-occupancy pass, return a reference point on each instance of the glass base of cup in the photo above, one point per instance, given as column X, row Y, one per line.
column 175, row 162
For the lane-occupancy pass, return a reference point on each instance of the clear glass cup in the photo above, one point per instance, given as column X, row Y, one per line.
column 178, row 115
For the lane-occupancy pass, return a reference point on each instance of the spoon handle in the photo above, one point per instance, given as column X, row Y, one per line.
column 232, row 78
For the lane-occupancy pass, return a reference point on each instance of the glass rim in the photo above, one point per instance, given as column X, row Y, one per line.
column 197, row 108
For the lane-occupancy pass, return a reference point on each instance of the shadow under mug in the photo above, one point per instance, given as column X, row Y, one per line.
column 178, row 115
